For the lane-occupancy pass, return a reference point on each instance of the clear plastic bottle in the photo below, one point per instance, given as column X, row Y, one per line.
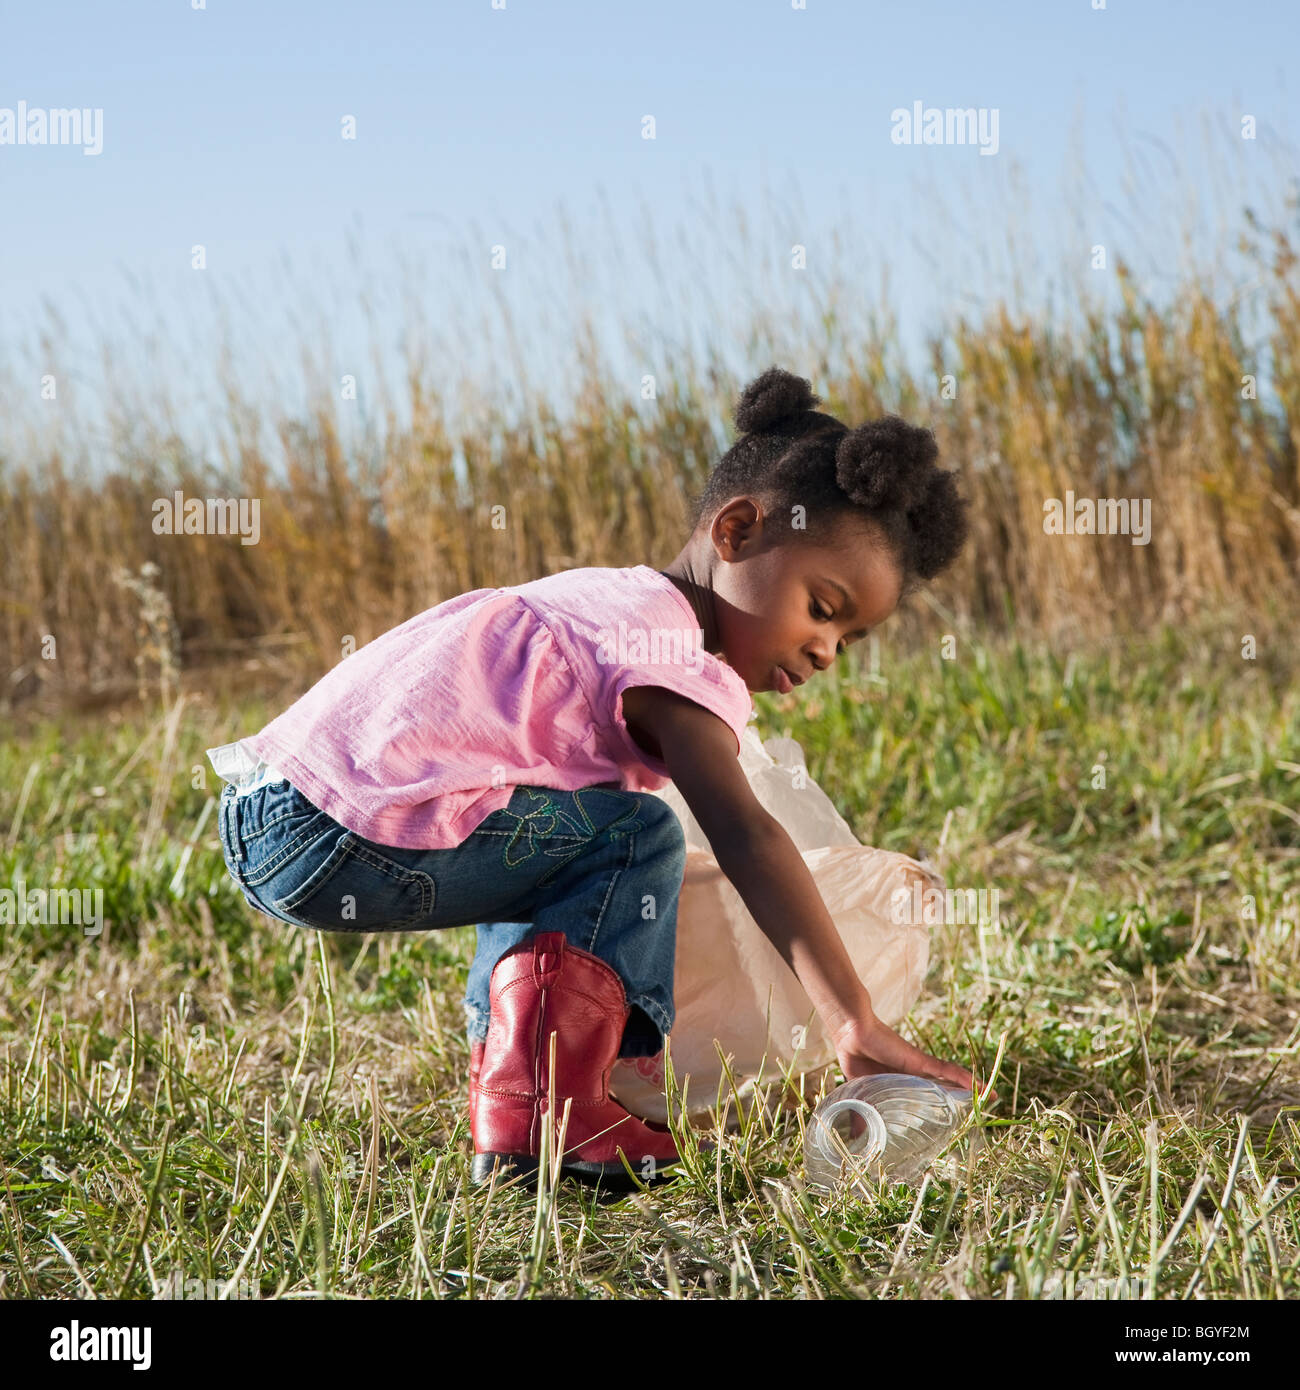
column 889, row 1126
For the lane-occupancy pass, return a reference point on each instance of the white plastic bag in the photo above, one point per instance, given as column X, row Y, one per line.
column 730, row 982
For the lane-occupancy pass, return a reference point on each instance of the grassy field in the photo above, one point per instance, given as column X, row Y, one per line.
column 198, row 1093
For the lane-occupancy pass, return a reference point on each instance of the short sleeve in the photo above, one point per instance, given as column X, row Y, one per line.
column 708, row 688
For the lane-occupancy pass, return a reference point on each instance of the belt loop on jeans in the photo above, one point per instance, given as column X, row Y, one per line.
column 230, row 813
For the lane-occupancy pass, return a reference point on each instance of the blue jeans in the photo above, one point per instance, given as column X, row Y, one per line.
column 602, row 865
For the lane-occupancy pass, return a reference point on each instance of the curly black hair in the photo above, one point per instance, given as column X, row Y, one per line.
column 790, row 454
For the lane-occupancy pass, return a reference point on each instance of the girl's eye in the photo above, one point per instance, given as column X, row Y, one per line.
column 816, row 610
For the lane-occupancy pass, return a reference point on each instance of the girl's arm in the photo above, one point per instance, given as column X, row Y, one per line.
column 769, row 873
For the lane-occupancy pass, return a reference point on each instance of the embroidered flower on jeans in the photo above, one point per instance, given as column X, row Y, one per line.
column 541, row 819
column 561, row 833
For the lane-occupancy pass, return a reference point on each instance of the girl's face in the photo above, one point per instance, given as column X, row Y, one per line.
column 785, row 611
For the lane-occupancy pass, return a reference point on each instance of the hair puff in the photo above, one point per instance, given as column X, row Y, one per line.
column 772, row 399
column 886, row 463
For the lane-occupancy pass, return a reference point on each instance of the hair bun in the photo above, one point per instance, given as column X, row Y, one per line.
column 886, row 463
column 771, row 398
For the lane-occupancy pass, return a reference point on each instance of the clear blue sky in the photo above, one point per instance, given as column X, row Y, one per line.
column 221, row 126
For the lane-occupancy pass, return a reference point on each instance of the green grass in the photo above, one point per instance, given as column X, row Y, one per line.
column 199, row 1093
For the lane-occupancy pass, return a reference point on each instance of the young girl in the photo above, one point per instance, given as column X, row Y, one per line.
column 490, row 761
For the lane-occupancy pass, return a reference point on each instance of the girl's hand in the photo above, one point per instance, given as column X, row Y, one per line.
column 867, row 1047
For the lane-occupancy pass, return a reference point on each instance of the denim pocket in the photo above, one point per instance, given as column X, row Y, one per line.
column 356, row 887
column 278, row 804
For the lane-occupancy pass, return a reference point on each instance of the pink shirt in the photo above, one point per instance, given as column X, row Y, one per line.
column 418, row 736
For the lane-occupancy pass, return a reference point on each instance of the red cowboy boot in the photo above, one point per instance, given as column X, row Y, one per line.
column 542, row 986
column 475, row 1066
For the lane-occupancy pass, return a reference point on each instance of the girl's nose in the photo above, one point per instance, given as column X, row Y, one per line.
column 820, row 655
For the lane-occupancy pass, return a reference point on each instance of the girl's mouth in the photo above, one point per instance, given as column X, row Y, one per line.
column 784, row 685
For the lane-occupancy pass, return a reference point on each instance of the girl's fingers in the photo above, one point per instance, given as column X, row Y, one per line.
column 895, row 1053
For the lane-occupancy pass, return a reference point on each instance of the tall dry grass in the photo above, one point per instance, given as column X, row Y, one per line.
column 361, row 528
